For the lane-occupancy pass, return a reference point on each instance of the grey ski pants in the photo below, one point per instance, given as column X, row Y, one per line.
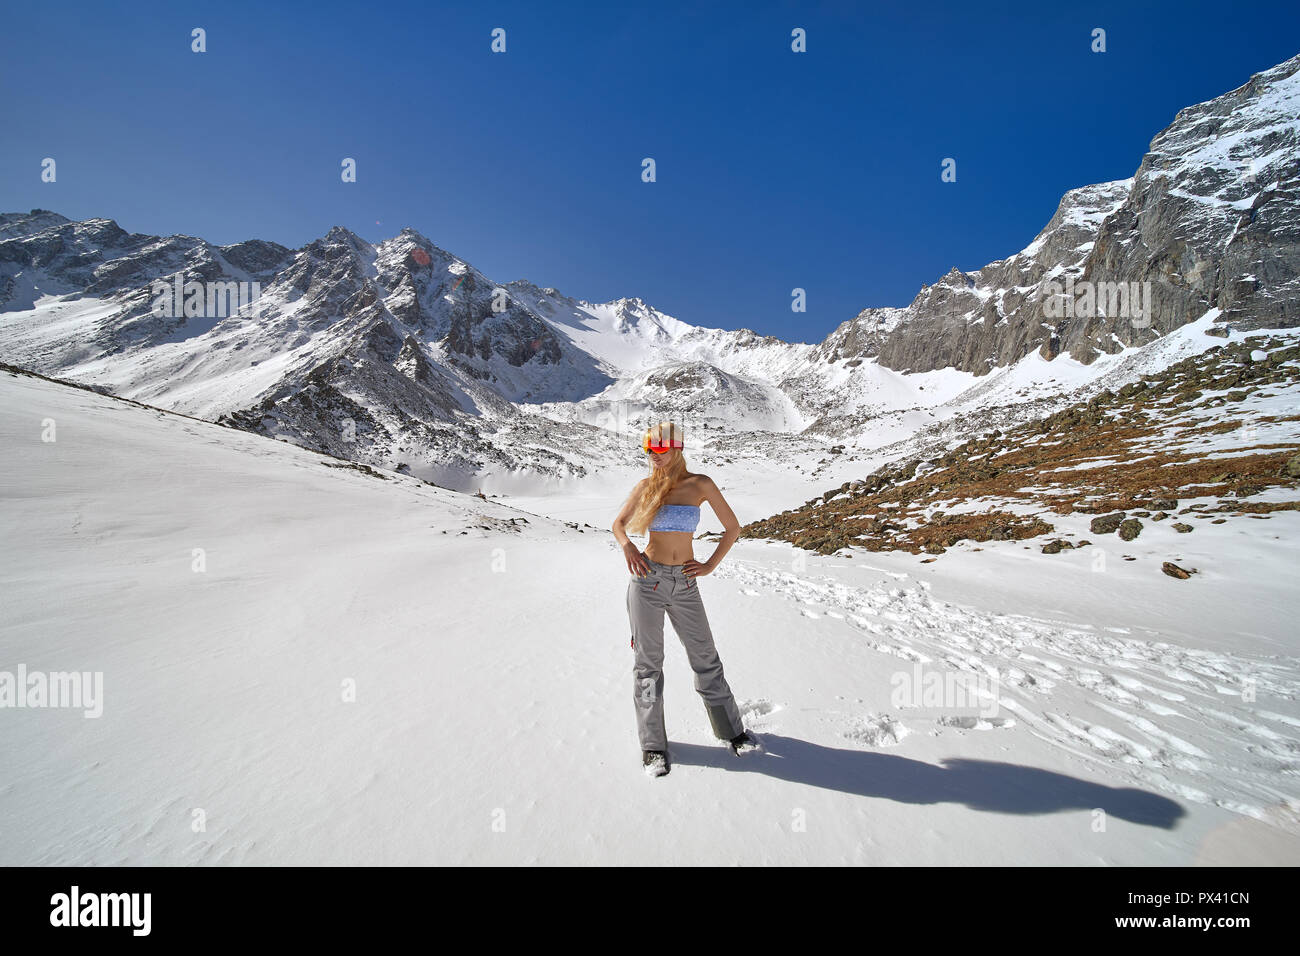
column 666, row 588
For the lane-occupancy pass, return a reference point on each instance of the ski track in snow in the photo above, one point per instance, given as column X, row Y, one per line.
column 1168, row 715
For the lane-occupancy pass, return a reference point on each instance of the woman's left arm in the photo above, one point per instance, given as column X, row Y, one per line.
column 731, row 527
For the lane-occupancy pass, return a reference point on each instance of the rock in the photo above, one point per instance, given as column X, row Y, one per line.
column 1107, row 523
column 1159, row 516
column 1292, row 467
column 1052, row 547
column 1174, row 571
column 1130, row 529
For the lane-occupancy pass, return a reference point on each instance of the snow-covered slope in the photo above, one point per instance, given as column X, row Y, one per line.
column 326, row 666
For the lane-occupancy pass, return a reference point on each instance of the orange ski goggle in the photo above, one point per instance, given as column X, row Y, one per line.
column 660, row 446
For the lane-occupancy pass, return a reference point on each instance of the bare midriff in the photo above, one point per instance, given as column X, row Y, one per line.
column 671, row 547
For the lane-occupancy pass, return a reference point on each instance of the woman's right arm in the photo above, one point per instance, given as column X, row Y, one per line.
column 636, row 562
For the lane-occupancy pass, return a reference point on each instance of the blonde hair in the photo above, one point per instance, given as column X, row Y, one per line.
column 660, row 483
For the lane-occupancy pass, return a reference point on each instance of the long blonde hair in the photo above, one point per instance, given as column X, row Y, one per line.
column 660, row 483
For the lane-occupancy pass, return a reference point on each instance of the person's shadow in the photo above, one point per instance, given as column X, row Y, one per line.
column 979, row 784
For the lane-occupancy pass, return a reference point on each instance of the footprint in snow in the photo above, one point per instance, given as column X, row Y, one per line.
column 758, row 708
column 754, row 713
column 877, row 730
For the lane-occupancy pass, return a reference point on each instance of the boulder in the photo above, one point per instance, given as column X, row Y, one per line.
column 1106, row 524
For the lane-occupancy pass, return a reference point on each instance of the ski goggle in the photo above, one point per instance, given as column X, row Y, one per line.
column 659, row 446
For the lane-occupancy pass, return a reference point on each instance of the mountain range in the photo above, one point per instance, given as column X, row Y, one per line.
column 402, row 356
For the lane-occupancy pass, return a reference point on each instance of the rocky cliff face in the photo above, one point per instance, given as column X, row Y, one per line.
column 862, row 337
column 994, row 316
column 1211, row 220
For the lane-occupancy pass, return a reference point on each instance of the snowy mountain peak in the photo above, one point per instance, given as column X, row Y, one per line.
column 524, row 286
column 635, row 316
column 341, row 235
column 14, row 224
column 410, row 238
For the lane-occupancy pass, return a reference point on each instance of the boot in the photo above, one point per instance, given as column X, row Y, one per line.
column 655, row 762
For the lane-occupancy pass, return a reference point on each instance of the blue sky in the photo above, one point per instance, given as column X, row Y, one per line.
column 775, row 170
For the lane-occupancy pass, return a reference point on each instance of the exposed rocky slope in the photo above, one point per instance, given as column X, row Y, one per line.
column 1220, row 425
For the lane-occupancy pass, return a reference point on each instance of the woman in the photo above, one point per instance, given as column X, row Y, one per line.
column 664, row 580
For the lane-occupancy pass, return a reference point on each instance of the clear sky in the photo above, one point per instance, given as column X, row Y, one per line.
column 775, row 170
